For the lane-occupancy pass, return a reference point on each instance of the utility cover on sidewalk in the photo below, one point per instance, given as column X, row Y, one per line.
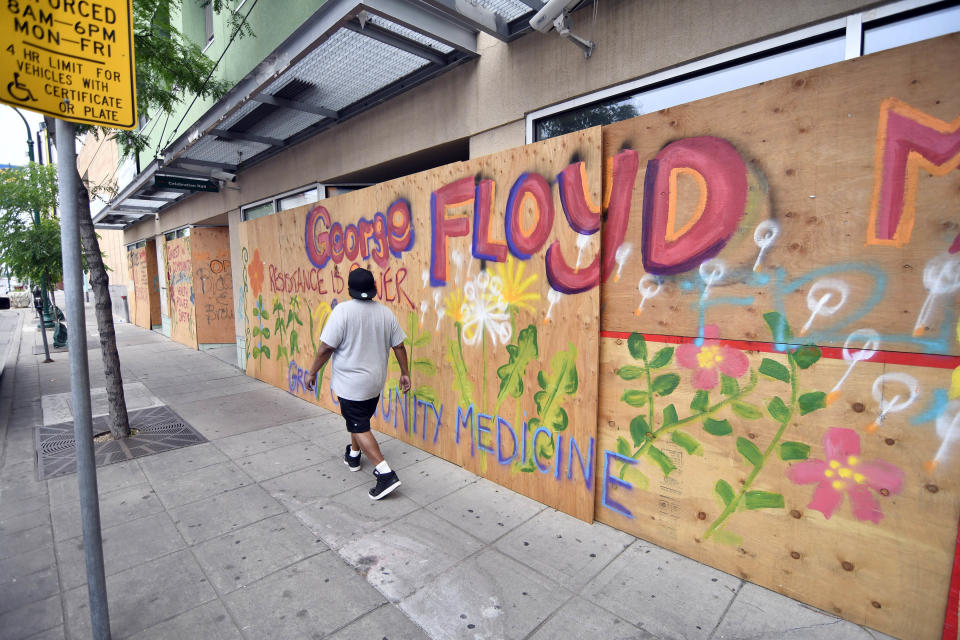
column 158, row 429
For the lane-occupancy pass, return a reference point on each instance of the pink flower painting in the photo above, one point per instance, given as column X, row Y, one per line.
column 843, row 472
column 711, row 359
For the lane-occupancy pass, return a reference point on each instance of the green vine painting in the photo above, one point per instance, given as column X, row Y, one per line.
column 416, row 339
column 716, row 367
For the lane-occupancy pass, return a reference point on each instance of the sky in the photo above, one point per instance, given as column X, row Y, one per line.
column 13, row 135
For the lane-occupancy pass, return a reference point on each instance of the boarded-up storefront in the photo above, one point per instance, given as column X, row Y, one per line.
column 145, row 301
column 758, row 369
column 504, row 364
column 776, row 394
column 212, row 285
column 200, row 286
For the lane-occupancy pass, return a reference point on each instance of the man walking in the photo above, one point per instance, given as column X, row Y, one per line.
column 358, row 335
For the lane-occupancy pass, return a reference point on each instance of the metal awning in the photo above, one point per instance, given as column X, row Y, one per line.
column 348, row 57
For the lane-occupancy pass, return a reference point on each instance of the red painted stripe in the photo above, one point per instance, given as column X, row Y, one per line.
column 953, row 598
column 886, row 357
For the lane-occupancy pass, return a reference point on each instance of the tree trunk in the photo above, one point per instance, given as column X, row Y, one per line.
column 119, row 423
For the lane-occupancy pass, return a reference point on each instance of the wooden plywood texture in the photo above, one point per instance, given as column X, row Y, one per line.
column 183, row 325
column 494, row 278
column 139, row 280
column 213, row 285
column 153, row 282
column 778, row 394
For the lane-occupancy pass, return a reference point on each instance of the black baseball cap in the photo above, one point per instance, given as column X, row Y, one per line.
column 361, row 284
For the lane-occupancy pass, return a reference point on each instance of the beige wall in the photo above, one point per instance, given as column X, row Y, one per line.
column 97, row 162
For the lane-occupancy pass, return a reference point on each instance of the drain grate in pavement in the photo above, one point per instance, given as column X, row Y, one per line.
column 160, row 429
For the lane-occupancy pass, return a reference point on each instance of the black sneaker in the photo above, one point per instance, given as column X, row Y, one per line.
column 351, row 461
column 386, row 482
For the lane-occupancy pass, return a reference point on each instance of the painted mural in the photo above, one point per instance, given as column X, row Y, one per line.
column 751, row 357
column 491, row 267
column 144, row 296
column 183, row 319
column 212, row 285
column 778, row 387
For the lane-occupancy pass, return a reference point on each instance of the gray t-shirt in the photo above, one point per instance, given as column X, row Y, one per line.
column 362, row 333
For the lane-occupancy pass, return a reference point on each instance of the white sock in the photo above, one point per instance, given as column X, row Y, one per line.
column 383, row 467
column 354, row 452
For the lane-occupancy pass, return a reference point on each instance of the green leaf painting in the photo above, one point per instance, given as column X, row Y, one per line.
column 794, row 451
column 520, row 355
column 806, row 356
column 635, row 398
column 778, row 410
column 729, row 386
column 763, row 500
column 701, row 400
column 664, row 385
column 630, row 372
column 779, row 327
column 416, row 337
column 688, row 442
column 556, row 386
column 639, row 430
column 775, row 370
column 724, row 410
column 424, row 366
column 810, row 402
column 728, row 538
column 670, row 415
column 637, row 346
column 461, row 378
column 294, row 341
column 724, row 491
column 634, row 476
column 661, row 358
column 717, row 427
column 659, row 457
column 428, row 395
column 746, row 410
column 750, row 452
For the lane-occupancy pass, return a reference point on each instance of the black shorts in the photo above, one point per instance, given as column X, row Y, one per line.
column 357, row 413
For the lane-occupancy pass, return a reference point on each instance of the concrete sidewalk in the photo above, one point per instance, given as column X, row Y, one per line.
column 263, row 532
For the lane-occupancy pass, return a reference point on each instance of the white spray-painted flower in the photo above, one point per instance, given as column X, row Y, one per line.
column 485, row 310
column 582, row 243
column 457, row 258
column 439, row 308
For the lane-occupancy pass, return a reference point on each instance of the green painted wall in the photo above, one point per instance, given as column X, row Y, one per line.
column 272, row 22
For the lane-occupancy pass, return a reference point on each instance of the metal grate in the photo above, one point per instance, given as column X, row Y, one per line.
column 159, row 429
column 410, row 34
column 349, row 67
column 509, row 9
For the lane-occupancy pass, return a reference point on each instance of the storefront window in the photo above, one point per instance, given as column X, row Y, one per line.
column 759, row 63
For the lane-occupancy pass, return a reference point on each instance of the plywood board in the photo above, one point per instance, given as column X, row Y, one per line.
column 183, row 324
column 264, row 305
column 802, row 178
column 213, row 285
column 818, row 210
column 877, row 550
column 137, row 277
column 501, row 325
column 153, row 282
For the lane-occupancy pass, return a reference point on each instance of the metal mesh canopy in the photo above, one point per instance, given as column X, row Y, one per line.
column 350, row 66
column 508, row 9
column 348, row 57
column 410, row 34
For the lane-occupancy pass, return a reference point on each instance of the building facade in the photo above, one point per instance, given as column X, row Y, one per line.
column 731, row 157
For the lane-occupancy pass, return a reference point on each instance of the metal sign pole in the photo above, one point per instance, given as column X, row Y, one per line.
column 80, row 380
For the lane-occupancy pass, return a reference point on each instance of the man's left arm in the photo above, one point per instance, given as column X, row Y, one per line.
column 324, row 351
